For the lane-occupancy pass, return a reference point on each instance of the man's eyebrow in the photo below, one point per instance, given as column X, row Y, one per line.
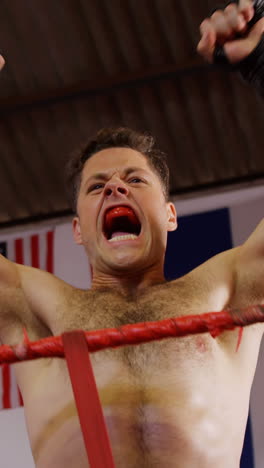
column 98, row 176
column 129, row 170
column 104, row 175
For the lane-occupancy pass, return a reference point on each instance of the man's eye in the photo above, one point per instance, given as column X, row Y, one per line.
column 135, row 180
column 95, row 187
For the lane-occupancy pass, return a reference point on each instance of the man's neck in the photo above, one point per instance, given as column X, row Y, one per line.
column 128, row 285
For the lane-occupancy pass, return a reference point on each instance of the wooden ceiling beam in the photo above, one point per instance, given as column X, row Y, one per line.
column 106, row 85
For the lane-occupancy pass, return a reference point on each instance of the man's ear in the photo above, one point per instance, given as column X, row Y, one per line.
column 172, row 217
column 77, row 230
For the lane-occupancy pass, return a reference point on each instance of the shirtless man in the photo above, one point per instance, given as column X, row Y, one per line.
column 166, row 404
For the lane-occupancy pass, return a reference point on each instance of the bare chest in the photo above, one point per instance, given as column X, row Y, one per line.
column 157, row 397
column 111, row 310
column 148, row 391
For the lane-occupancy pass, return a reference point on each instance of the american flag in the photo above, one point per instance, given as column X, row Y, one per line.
column 34, row 250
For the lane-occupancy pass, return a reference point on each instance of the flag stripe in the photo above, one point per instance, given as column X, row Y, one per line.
column 34, row 250
column 50, row 251
column 6, row 400
column 19, row 251
column 10, row 253
column 42, row 250
column 26, row 249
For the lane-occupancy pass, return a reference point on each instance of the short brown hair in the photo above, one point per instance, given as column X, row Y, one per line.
column 121, row 137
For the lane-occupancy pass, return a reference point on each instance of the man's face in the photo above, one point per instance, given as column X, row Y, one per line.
column 123, row 217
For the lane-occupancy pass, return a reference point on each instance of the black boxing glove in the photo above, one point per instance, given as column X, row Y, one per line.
column 252, row 67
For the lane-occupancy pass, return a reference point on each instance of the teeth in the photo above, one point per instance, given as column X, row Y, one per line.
column 125, row 237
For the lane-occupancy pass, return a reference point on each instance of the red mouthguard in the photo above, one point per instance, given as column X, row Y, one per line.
column 117, row 212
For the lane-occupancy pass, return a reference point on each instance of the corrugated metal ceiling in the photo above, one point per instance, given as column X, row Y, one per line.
column 74, row 66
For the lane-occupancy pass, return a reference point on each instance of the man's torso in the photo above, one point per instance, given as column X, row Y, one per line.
column 166, row 403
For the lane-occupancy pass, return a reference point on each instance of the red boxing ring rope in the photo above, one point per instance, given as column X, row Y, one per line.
column 132, row 334
column 76, row 345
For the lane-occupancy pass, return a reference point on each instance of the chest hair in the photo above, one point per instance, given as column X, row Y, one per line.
column 93, row 310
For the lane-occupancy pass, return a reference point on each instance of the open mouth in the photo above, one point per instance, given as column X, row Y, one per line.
column 121, row 223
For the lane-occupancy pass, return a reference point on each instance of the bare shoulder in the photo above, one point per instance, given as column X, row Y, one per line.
column 250, row 268
column 29, row 298
column 213, row 282
column 226, row 281
column 46, row 295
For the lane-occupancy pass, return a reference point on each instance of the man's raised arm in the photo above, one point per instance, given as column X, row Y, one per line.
column 234, row 37
column 30, row 298
column 2, row 62
column 249, row 268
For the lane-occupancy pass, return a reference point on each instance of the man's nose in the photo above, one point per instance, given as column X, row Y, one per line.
column 115, row 188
